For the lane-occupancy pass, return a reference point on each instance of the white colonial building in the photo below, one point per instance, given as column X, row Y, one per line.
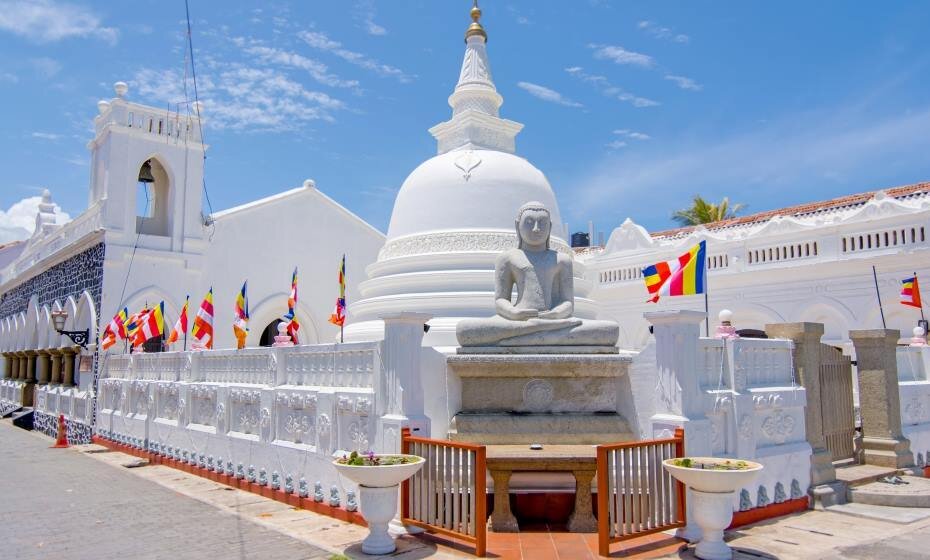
column 811, row 262
column 143, row 242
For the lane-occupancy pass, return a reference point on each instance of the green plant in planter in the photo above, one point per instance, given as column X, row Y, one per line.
column 369, row 459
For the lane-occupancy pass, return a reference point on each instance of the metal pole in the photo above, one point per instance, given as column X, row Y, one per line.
column 706, row 306
column 879, row 296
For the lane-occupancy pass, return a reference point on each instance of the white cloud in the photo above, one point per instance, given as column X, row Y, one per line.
column 632, row 134
column 319, row 40
column 19, row 221
column 616, row 144
column 366, row 12
column 685, row 83
column 241, row 97
column 800, row 157
column 602, row 84
column 46, row 67
column 317, row 70
column 620, row 55
column 47, row 21
column 8, row 77
column 660, row 32
column 547, row 94
column 46, row 135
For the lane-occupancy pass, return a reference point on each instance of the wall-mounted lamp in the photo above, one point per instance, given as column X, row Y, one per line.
column 77, row 337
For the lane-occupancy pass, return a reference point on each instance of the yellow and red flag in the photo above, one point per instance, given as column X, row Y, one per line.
column 203, row 322
column 339, row 315
column 115, row 329
column 683, row 276
column 241, row 312
column 910, row 292
column 180, row 327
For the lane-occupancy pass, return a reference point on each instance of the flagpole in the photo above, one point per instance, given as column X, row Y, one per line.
column 922, row 318
column 879, row 296
column 345, row 303
column 706, row 305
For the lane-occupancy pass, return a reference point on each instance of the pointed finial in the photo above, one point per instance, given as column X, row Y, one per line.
column 475, row 28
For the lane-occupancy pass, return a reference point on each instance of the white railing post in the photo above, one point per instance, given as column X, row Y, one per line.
column 398, row 389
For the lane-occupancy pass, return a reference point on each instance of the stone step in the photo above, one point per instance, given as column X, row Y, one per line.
column 857, row 475
column 916, row 493
column 24, row 418
column 545, row 428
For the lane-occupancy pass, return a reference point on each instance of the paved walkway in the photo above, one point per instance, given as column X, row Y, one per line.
column 66, row 505
column 69, row 505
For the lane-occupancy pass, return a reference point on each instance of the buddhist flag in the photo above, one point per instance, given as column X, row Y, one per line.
column 241, row 312
column 180, row 327
column 293, row 325
column 115, row 330
column 683, row 276
column 339, row 315
column 151, row 325
column 910, row 292
column 134, row 322
column 203, row 322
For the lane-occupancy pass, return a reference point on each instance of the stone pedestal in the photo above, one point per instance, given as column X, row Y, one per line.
column 806, row 356
column 552, row 398
column 883, row 443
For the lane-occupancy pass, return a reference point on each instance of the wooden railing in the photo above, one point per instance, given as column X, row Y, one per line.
column 635, row 495
column 448, row 495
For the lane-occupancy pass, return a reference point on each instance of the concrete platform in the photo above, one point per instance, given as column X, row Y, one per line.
column 882, row 513
column 914, row 494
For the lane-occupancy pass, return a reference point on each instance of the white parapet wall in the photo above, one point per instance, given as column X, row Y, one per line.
column 269, row 410
column 914, row 389
column 736, row 398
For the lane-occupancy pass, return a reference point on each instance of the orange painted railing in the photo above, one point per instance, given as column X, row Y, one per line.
column 448, row 495
column 635, row 494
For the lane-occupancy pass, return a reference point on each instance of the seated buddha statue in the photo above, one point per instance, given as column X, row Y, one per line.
column 543, row 313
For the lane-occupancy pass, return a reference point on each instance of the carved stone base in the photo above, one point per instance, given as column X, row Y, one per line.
column 887, row 452
column 512, row 428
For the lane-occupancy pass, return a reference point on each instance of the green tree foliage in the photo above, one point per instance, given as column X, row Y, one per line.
column 703, row 212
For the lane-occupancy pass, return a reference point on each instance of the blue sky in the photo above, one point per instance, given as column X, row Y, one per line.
column 630, row 107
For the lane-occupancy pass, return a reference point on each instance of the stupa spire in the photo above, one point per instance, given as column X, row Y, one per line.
column 475, row 103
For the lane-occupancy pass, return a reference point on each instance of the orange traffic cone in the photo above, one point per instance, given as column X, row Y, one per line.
column 62, row 440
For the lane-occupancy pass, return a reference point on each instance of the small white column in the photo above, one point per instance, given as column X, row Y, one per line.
column 679, row 399
column 400, row 390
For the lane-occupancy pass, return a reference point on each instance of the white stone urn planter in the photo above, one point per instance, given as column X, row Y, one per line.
column 378, row 492
column 712, row 482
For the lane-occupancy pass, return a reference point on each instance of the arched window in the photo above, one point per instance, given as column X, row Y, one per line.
column 269, row 333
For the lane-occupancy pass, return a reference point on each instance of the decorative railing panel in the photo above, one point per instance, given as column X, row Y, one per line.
column 761, row 362
column 252, row 368
column 712, row 364
column 333, row 365
column 635, row 495
column 448, row 495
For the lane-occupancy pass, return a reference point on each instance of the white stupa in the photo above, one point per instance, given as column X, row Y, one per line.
column 455, row 213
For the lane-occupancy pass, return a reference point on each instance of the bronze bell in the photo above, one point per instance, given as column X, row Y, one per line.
column 145, row 174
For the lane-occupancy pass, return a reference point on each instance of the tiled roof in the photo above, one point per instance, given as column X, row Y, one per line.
column 803, row 209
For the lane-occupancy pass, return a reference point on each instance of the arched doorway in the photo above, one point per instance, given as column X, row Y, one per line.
column 270, row 332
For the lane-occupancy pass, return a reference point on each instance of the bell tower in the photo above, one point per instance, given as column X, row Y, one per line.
column 147, row 175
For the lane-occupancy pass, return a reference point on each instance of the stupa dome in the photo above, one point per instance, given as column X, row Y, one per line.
column 469, row 189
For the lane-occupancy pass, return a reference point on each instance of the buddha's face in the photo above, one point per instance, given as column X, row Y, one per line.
column 534, row 227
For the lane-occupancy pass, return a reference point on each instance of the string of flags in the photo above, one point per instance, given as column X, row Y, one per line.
column 149, row 323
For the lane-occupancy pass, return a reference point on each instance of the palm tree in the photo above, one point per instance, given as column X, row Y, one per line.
column 703, row 212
